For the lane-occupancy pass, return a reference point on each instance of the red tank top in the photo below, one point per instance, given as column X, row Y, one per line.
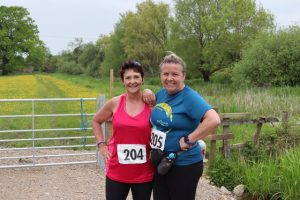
column 130, row 146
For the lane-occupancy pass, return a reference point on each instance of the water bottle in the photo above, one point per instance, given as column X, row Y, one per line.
column 166, row 164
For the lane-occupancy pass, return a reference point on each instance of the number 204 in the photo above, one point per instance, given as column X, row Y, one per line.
column 133, row 154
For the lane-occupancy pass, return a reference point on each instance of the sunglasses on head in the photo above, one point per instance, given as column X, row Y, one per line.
column 136, row 63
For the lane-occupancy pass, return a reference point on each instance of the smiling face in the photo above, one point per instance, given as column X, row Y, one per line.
column 172, row 77
column 132, row 81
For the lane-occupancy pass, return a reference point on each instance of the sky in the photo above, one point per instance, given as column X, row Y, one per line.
column 61, row 21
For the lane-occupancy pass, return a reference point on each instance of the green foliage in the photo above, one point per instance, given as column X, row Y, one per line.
column 223, row 76
column 81, row 59
column 209, row 35
column 269, row 169
column 290, row 174
column 88, row 54
column 145, row 34
column 153, row 81
column 50, row 64
column 145, row 44
column 261, row 180
column 90, row 59
column 226, row 172
column 274, row 178
column 266, row 102
column 20, row 44
column 272, row 59
column 113, row 51
column 254, row 153
column 70, row 67
column 192, row 82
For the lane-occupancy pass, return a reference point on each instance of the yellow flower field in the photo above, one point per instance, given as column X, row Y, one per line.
column 70, row 90
column 16, row 87
column 27, row 86
column 41, row 86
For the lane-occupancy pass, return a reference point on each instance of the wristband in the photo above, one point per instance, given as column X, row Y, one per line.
column 99, row 143
column 187, row 140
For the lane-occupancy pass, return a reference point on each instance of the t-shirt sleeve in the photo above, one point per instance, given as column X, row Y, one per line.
column 197, row 106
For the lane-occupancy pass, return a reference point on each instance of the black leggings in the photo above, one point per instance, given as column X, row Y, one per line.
column 119, row 191
column 179, row 183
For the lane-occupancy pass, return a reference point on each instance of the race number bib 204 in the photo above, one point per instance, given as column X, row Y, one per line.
column 158, row 139
column 131, row 153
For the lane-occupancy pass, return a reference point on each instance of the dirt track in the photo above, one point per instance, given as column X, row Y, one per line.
column 71, row 182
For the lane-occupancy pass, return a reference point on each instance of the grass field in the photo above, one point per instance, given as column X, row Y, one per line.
column 227, row 98
column 42, row 86
column 45, row 86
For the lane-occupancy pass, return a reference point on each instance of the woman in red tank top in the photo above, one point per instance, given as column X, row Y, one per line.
column 127, row 153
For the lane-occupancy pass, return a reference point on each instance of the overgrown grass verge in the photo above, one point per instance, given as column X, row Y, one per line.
column 269, row 170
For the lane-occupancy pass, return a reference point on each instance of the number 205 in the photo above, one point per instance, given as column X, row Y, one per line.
column 156, row 140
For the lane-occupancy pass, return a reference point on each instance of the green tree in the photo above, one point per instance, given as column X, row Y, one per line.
column 76, row 48
column 50, row 64
column 114, row 53
column 19, row 40
column 36, row 57
column 86, row 58
column 209, row 35
column 68, row 60
column 92, row 56
column 67, row 65
column 272, row 59
column 145, row 34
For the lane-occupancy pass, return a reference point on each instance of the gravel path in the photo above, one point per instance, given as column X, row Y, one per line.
column 72, row 182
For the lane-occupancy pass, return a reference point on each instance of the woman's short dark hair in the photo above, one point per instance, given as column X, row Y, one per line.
column 131, row 64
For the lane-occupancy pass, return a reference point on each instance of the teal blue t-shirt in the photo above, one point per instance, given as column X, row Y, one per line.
column 178, row 115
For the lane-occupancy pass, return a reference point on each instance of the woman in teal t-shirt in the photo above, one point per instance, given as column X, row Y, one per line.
column 180, row 118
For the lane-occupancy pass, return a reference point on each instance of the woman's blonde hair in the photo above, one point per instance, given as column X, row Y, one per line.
column 173, row 58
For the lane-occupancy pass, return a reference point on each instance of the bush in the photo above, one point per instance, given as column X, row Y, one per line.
column 275, row 179
column 269, row 169
column 290, row 174
column 153, row 81
column 271, row 60
column 223, row 76
column 226, row 172
column 70, row 67
column 261, row 180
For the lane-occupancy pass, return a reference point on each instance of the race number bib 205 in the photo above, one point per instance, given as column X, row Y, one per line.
column 131, row 153
column 158, row 139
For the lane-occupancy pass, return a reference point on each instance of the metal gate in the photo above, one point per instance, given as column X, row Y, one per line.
column 47, row 132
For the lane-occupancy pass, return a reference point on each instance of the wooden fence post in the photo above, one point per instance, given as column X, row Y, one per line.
column 258, row 129
column 226, row 146
column 111, row 83
column 285, row 121
column 229, row 119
